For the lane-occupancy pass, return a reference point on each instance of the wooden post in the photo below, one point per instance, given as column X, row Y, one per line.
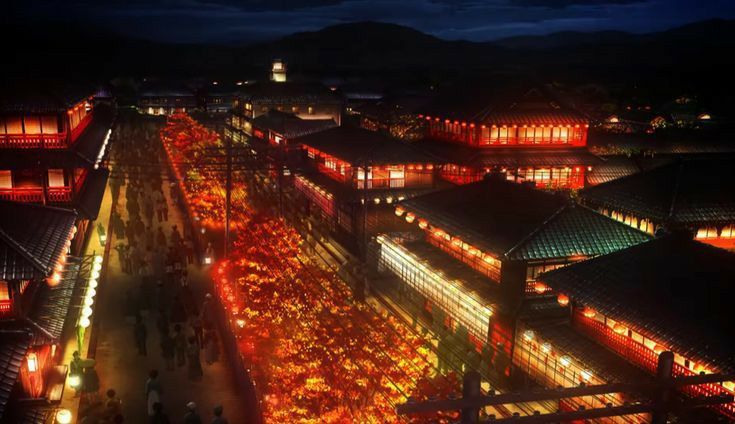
column 471, row 389
column 664, row 371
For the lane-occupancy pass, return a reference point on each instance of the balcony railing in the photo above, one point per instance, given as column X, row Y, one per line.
column 35, row 194
column 33, row 141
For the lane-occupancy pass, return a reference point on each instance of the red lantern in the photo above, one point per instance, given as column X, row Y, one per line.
column 563, row 299
column 540, row 288
column 589, row 312
column 620, row 328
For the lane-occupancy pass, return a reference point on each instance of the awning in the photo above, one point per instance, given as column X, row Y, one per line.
column 53, row 304
column 90, row 198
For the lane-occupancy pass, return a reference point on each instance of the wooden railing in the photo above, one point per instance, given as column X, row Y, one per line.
column 33, row 141
column 35, row 194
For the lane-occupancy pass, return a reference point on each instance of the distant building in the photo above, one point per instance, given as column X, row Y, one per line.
column 156, row 99
column 304, row 100
column 668, row 294
column 217, row 98
column 278, row 71
column 530, row 139
column 692, row 195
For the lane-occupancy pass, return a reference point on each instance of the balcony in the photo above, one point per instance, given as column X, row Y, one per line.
column 33, row 141
column 35, row 194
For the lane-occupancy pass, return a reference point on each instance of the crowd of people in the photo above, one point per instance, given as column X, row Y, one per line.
column 155, row 252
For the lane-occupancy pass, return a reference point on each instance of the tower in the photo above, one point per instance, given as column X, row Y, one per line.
column 278, row 71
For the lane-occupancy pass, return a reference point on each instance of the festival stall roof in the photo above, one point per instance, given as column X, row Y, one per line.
column 686, row 192
column 522, row 223
column 89, row 200
column 270, row 92
column 357, row 146
column 600, row 361
column 673, row 289
column 511, row 157
column 13, row 348
column 289, row 125
column 32, row 238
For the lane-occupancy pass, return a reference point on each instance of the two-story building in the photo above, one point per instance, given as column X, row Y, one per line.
column 37, row 282
column 51, row 150
column 165, row 99
column 693, row 195
column 668, row 294
column 308, row 101
column 477, row 250
column 531, row 138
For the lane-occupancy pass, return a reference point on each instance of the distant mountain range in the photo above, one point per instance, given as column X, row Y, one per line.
column 691, row 55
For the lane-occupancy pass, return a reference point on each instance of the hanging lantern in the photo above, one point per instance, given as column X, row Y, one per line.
column 586, row 375
column 399, row 211
column 32, row 362
column 63, row 416
column 540, row 287
column 528, row 335
column 565, row 361
column 423, row 224
column 589, row 312
column 54, row 280
column 620, row 328
column 546, row 348
column 563, row 299
column 410, row 217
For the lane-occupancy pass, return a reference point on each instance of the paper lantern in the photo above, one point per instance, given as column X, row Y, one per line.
column 563, row 299
column 589, row 312
column 540, row 288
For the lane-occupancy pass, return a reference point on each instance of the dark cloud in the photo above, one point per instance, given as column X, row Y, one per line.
column 241, row 20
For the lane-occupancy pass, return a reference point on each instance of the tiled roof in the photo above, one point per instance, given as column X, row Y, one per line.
column 355, row 145
column 269, row 92
column 509, row 157
column 51, row 304
column 612, row 168
column 675, row 290
column 521, row 222
column 41, row 96
column 289, row 125
column 532, row 117
column 600, row 361
column 90, row 198
column 13, row 348
column 686, row 191
column 32, row 238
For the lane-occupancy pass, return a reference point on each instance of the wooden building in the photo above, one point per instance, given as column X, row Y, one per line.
column 685, row 195
column 36, row 292
column 668, row 294
column 160, row 99
column 304, row 100
column 531, row 138
column 351, row 171
column 477, row 250
column 51, row 151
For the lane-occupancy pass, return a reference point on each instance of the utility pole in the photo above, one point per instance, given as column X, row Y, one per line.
column 228, row 193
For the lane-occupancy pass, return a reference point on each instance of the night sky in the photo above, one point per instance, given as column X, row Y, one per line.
column 205, row 21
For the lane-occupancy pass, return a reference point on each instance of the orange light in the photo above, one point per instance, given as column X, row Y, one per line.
column 659, row 348
column 620, row 328
column 429, row 167
column 589, row 312
column 563, row 299
column 540, row 288
column 399, row 211
column 54, row 280
column 32, row 361
column 410, row 217
column 423, row 224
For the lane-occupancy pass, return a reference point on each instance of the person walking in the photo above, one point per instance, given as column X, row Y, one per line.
column 113, row 405
column 218, row 418
column 153, row 391
column 157, row 415
column 179, row 345
column 196, row 325
column 192, row 355
column 141, row 334
column 168, row 350
column 211, row 347
column 192, row 417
